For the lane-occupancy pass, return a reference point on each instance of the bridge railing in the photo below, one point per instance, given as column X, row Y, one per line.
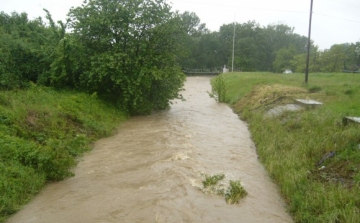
column 214, row 71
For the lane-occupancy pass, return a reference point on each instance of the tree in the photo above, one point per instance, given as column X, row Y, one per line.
column 332, row 60
column 247, row 47
column 352, row 53
column 298, row 63
column 283, row 59
column 131, row 51
column 22, row 54
column 192, row 25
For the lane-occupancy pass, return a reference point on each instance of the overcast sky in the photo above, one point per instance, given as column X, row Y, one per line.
column 334, row 21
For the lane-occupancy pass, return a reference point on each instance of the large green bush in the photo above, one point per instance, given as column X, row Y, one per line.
column 127, row 58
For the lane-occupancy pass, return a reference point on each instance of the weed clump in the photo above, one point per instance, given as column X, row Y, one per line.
column 211, row 184
column 218, row 86
column 235, row 192
column 212, row 180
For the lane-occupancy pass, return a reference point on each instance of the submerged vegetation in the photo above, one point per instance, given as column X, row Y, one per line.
column 212, row 180
column 218, row 88
column 312, row 156
column 235, row 192
column 232, row 194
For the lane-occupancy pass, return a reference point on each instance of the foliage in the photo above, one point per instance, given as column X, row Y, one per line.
column 42, row 132
column 192, row 25
column 218, row 86
column 283, row 59
column 18, row 184
column 26, row 49
column 255, row 46
column 291, row 145
column 336, row 59
column 127, row 51
column 212, row 180
column 269, row 48
column 122, row 49
column 235, row 192
column 132, row 50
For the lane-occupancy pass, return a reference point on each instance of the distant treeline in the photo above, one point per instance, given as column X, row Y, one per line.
column 272, row 48
column 126, row 51
column 132, row 52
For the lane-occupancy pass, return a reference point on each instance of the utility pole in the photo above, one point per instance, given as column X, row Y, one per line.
column 232, row 65
column 308, row 45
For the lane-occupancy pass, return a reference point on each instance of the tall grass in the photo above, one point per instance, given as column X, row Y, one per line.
column 218, row 87
column 42, row 132
column 291, row 144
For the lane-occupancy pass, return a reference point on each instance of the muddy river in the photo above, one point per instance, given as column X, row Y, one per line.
column 152, row 171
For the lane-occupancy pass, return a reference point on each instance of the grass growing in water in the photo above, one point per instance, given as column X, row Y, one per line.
column 211, row 184
column 235, row 192
column 218, row 87
column 291, row 145
column 212, row 180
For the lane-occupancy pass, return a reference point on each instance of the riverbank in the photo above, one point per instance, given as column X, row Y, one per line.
column 310, row 154
column 153, row 168
column 42, row 133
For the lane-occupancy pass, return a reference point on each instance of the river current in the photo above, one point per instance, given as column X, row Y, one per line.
column 152, row 171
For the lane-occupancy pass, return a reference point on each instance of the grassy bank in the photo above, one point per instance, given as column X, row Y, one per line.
column 311, row 155
column 42, row 132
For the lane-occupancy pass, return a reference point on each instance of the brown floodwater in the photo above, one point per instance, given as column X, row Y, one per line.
column 152, row 171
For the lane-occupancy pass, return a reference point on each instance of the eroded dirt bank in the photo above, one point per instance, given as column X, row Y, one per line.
column 151, row 171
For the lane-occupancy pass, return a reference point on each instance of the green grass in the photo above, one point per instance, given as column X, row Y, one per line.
column 291, row 144
column 218, row 90
column 42, row 132
column 235, row 192
column 212, row 180
column 232, row 194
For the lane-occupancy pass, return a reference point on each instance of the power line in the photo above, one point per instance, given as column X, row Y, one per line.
column 335, row 17
column 349, row 3
column 342, row 2
column 241, row 7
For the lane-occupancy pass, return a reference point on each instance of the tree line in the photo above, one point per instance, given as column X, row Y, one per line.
column 273, row 48
column 126, row 51
column 132, row 52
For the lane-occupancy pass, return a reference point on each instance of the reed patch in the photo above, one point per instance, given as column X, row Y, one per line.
column 218, row 88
